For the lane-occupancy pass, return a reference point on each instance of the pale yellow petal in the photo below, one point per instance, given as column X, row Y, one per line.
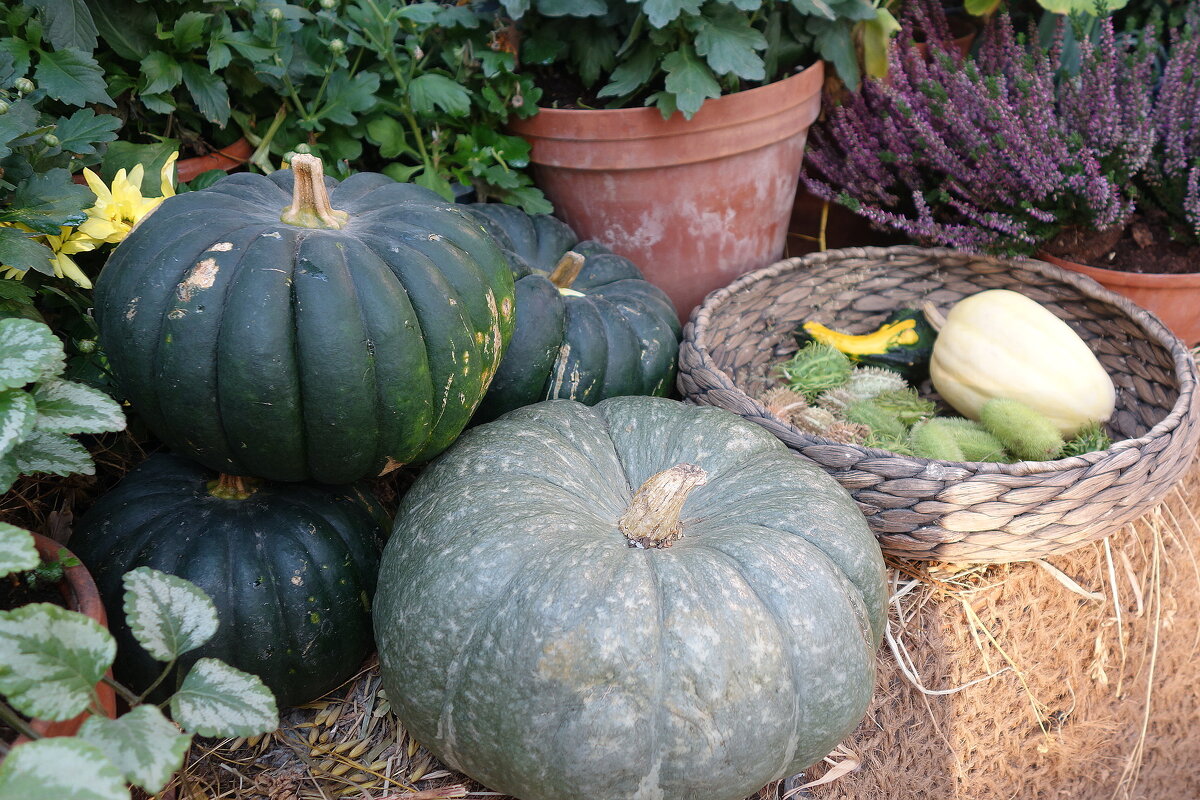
column 65, row 267
column 103, row 195
column 167, row 176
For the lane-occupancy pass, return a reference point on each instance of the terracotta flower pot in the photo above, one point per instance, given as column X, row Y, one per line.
column 694, row 203
column 1174, row 299
column 226, row 158
column 80, row 593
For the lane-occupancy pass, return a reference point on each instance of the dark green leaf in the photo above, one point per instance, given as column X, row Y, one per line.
column 205, row 179
column 188, row 32
column 68, row 23
column 47, row 201
column 458, row 16
column 16, row 291
column 158, row 103
column 83, row 130
column 128, row 35
column 431, row 180
column 420, row 13
column 19, row 251
column 432, row 90
column 663, row 12
column 573, row 8
column 209, row 93
column 349, row 96
column 515, row 8
column 689, row 80
column 815, row 8
column 387, row 134
column 248, row 46
column 833, row 42
column 21, row 52
column 633, row 73
column 162, row 73
column 21, row 118
column 219, row 55
column 400, row 172
column 126, row 155
column 8, row 69
column 530, row 199
column 71, row 76
column 729, row 44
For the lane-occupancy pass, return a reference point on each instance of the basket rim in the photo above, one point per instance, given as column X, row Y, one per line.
column 1153, row 328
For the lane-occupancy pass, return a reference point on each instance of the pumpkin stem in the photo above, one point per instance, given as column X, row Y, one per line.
column 232, row 487
column 567, row 270
column 310, row 199
column 936, row 318
column 652, row 519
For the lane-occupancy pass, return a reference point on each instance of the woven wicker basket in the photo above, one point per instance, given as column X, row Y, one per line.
column 951, row 511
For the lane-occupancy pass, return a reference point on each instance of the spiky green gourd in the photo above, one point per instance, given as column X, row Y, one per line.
column 816, row 368
column 864, row 383
column 1024, row 432
column 1090, row 439
column 908, row 406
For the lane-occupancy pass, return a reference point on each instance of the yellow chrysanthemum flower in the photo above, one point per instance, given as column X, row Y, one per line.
column 120, row 207
column 69, row 242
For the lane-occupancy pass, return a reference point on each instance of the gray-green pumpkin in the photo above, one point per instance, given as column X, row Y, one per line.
column 640, row 599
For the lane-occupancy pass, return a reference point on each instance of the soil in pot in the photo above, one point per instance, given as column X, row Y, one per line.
column 1144, row 246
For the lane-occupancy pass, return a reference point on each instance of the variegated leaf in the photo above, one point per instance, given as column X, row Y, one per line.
column 29, row 352
column 70, row 407
column 8, row 472
column 17, row 414
column 55, row 453
column 218, row 700
column 17, row 551
column 144, row 745
column 60, row 769
column 168, row 615
column 51, row 659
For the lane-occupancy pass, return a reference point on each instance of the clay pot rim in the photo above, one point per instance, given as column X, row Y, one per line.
column 749, row 104
column 1116, row 277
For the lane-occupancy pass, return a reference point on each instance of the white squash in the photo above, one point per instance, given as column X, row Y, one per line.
column 1002, row 344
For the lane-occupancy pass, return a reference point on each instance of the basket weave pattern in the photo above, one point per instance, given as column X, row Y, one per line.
column 951, row 511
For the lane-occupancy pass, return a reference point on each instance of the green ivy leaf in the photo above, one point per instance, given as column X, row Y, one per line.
column 689, row 80
column 19, row 250
column 188, row 31
column 209, row 93
column 432, row 90
column 70, row 407
column 68, row 23
column 130, row 36
column 219, row 700
column 17, row 550
column 726, row 40
column 83, row 130
column 51, row 659
column 169, row 616
column 47, row 201
column 71, row 76
column 61, row 768
column 143, row 744
column 29, row 352
column 663, row 12
column 161, row 72
column 17, row 415
column 53, row 454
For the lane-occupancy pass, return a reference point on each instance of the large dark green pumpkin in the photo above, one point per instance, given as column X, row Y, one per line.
column 291, row 569
column 606, row 333
column 261, row 347
column 527, row 643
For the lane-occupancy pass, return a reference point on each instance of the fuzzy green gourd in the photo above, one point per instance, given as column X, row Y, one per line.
column 973, row 440
column 816, row 368
column 908, row 406
column 882, row 423
column 1024, row 432
column 936, row 442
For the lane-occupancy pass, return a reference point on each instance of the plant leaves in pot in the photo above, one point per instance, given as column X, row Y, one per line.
column 683, row 153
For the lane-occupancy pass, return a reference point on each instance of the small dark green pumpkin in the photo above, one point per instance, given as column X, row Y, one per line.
column 602, row 331
column 337, row 337
column 903, row 343
column 551, row 633
column 290, row 567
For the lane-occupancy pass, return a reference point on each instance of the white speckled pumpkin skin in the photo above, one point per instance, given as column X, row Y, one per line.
column 526, row 644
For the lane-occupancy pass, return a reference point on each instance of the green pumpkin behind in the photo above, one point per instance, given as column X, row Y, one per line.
column 589, row 326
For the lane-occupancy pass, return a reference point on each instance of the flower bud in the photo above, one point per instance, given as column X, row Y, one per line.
column 337, row 47
column 303, row 148
column 86, row 345
column 50, row 140
column 3, row 108
column 329, row 4
column 24, row 85
column 275, row 14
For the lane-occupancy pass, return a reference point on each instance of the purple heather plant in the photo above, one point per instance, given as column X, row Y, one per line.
column 995, row 153
column 1171, row 180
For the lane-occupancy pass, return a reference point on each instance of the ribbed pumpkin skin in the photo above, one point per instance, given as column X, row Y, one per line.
column 618, row 335
column 291, row 570
column 564, row 663
column 290, row 353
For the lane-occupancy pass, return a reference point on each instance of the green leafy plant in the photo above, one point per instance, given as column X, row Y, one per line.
column 39, row 410
column 419, row 90
column 51, row 570
column 51, row 660
column 675, row 54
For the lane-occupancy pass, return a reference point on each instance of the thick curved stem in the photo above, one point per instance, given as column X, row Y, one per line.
column 567, row 270
column 310, row 199
column 652, row 518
